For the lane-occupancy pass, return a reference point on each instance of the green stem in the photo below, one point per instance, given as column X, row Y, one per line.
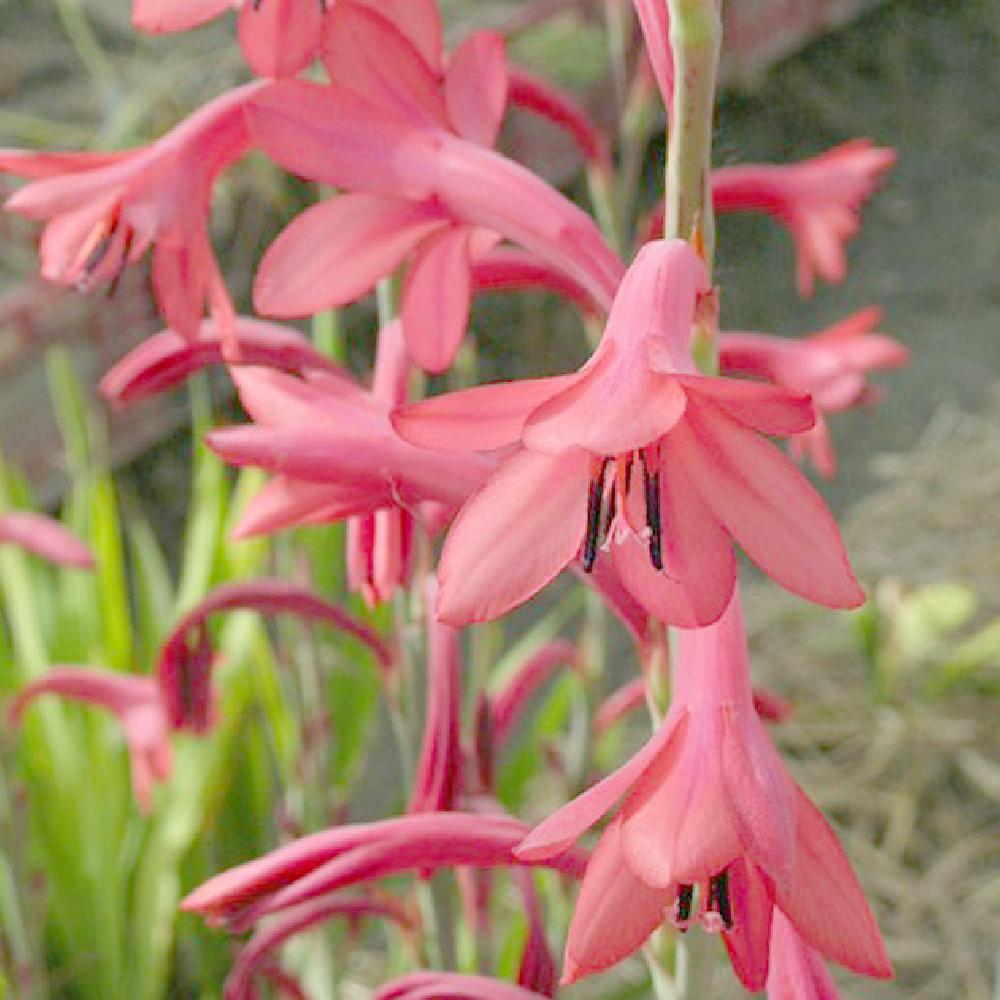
column 695, row 38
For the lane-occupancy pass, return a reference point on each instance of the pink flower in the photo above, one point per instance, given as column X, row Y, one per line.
column 423, row 186
column 437, row 781
column 337, row 457
column 186, row 659
column 819, row 200
column 167, row 359
column 44, row 537
column 255, row 955
column 639, row 455
column 135, row 701
column 312, row 866
column 281, row 37
column 654, row 17
column 796, row 971
column 713, row 828
column 830, row 365
column 106, row 210
column 452, row 986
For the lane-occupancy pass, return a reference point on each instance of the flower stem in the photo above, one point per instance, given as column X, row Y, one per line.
column 695, row 38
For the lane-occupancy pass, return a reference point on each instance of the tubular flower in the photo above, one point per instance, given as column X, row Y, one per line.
column 712, row 829
column 186, row 657
column 412, row 150
column 337, row 457
column 282, row 37
column 830, row 365
column 167, row 359
column 134, row 701
column 106, row 210
column 355, row 239
column 819, row 201
column 318, row 864
column 638, row 459
column 44, row 537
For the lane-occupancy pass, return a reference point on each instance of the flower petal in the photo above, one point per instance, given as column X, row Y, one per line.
column 478, row 419
column 280, row 37
column 175, row 15
column 769, row 409
column 766, row 503
column 436, row 298
column 335, row 252
column 699, row 568
column 753, row 908
column 515, row 535
column 476, row 87
column 286, row 503
column 419, row 20
column 615, row 911
column 796, row 971
column 561, row 829
column 45, row 537
column 826, row 903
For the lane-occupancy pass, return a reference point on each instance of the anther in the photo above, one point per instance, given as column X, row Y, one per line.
column 595, row 500
column 651, row 490
column 718, row 898
column 685, row 900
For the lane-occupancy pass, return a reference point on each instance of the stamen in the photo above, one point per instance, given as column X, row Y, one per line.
column 685, row 900
column 609, row 514
column 651, row 489
column 718, row 898
column 595, row 500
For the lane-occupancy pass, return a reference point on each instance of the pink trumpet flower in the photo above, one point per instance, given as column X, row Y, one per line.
column 831, row 365
column 796, row 971
column 713, row 828
column 46, row 538
column 167, row 359
column 819, row 201
column 437, row 781
column 423, row 186
column 639, row 455
column 134, row 701
column 510, row 701
column 318, row 864
column 452, row 986
column 338, row 457
column 255, row 955
column 281, row 37
column 106, row 210
column 185, row 662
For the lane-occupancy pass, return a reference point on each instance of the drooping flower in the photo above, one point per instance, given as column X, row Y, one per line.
column 712, row 829
column 830, row 365
column 106, row 210
column 313, row 866
column 44, row 537
column 337, row 457
column 134, row 701
column 167, row 359
column 412, row 152
column 796, row 971
column 819, row 201
column 282, row 37
column 184, row 667
column 664, row 465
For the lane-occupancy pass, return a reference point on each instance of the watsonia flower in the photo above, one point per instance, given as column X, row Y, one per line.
column 712, row 829
column 635, row 458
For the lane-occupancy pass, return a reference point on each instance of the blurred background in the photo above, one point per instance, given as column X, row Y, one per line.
column 895, row 730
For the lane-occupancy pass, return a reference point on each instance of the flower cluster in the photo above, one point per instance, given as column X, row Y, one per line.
column 641, row 472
